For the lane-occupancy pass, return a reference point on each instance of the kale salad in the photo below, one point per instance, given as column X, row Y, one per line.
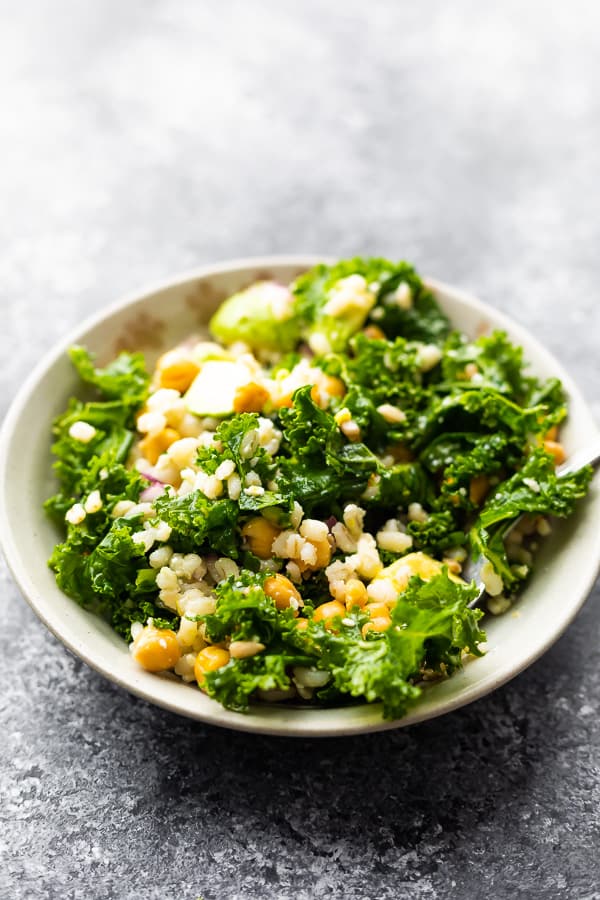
column 280, row 511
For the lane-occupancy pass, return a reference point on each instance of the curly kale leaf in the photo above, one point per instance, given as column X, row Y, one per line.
column 199, row 523
column 431, row 628
column 110, row 577
column 324, row 471
column 322, row 467
column 459, row 458
column 478, row 411
column 424, row 321
column 399, row 485
column 232, row 438
column 549, row 395
column 125, row 379
column 99, row 564
column 111, row 479
column 380, row 372
column 438, row 532
column 245, row 613
column 535, row 488
column 495, row 362
column 82, row 466
column 111, row 441
column 421, row 320
column 235, row 684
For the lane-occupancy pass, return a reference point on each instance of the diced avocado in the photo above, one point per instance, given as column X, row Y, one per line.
column 261, row 316
column 214, row 388
column 331, row 334
column 348, row 303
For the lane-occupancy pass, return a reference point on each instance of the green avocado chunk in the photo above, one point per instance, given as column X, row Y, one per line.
column 262, row 316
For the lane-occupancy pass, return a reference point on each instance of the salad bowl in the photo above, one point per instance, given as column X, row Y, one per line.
column 158, row 318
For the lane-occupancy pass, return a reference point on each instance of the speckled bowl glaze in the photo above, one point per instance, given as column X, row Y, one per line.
column 154, row 320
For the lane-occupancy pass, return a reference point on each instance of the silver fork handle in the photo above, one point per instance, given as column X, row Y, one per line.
column 585, row 456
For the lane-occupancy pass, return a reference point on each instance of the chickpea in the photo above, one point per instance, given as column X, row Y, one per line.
column 556, row 450
column 156, row 649
column 355, row 594
column 176, row 371
column 284, row 402
column 281, row 590
column 374, row 333
column 377, row 610
column 209, row 660
column 259, row 535
column 153, row 445
column 328, row 386
column 327, row 612
column 379, row 623
column 250, row 397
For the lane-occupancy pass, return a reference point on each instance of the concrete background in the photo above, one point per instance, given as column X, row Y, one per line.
column 138, row 139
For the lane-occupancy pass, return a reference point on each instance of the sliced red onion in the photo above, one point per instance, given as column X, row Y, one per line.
column 152, row 478
column 153, row 492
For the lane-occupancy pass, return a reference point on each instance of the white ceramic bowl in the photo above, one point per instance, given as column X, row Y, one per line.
column 158, row 318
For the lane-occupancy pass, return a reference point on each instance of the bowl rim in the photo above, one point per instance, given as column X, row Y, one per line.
column 295, row 725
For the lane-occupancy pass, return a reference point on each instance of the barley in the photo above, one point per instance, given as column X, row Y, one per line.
column 82, row 431
column 244, row 649
column 151, row 423
column 416, row 513
column 391, row 414
column 225, row 469
column 234, row 486
column 160, row 557
column 75, row 515
column 93, row 504
column 394, row 541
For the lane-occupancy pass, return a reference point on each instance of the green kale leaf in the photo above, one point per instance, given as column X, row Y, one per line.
column 322, row 468
column 199, row 523
column 110, row 578
column 424, row 321
column 245, row 613
column 237, row 440
column 535, row 488
column 498, row 363
column 431, row 627
column 125, row 379
column 234, row 684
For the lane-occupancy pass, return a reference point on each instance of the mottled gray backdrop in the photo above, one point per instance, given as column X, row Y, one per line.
column 138, row 139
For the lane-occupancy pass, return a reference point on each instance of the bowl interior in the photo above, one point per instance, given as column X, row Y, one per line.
column 158, row 319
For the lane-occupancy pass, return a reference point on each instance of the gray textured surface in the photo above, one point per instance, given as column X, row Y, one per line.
column 139, row 139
